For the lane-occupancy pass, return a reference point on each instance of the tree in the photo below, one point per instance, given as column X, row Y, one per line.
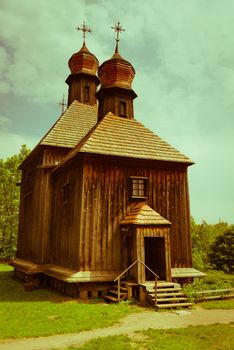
column 10, row 176
column 222, row 251
column 203, row 235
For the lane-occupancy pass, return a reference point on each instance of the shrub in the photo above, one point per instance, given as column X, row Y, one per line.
column 222, row 252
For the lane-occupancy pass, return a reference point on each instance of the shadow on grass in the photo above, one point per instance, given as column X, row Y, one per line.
column 12, row 289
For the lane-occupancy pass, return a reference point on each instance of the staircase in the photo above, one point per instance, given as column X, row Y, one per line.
column 169, row 295
column 112, row 296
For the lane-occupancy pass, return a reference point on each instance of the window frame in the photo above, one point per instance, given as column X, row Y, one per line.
column 28, row 183
column 87, row 93
column 65, row 193
column 143, row 184
column 123, row 107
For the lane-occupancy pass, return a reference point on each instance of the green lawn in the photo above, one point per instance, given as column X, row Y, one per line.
column 213, row 280
column 214, row 337
column 218, row 304
column 44, row 312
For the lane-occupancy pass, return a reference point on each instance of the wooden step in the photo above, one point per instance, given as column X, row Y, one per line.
column 123, row 289
column 166, row 284
column 168, row 289
column 161, row 300
column 165, row 295
column 127, row 283
column 111, row 298
column 162, row 290
column 115, row 292
column 168, row 306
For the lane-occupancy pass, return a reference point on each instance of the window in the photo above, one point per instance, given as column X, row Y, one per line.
column 139, row 187
column 122, row 109
column 65, row 193
column 86, row 93
column 29, row 183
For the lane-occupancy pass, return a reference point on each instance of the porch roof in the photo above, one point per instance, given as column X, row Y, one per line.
column 142, row 214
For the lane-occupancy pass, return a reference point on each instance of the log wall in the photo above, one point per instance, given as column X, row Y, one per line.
column 84, row 233
column 34, row 213
column 35, row 204
column 106, row 200
column 66, row 217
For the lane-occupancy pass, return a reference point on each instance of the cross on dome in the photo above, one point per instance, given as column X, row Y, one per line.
column 118, row 29
column 85, row 29
column 62, row 104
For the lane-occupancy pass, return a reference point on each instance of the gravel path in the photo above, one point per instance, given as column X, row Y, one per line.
column 128, row 325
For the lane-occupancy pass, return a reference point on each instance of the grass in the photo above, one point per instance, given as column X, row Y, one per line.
column 107, row 343
column 215, row 337
column 213, row 280
column 218, row 304
column 44, row 312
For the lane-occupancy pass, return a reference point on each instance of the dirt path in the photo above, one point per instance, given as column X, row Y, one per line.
column 128, row 325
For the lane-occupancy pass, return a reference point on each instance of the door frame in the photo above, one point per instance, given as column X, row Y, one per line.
column 155, row 257
column 152, row 231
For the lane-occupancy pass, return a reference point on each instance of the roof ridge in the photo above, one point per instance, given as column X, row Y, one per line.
column 160, row 149
column 76, row 149
column 112, row 134
column 65, row 130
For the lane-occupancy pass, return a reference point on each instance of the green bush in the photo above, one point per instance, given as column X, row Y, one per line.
column 213, row 280
column 222, row 252
column 203, row 236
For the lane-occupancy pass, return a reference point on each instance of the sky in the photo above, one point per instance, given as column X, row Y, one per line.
column 183, row 54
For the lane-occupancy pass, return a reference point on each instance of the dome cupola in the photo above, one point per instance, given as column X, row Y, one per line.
column 83, row 80
column 83, row 61
column 116, row 76
column 116, row 72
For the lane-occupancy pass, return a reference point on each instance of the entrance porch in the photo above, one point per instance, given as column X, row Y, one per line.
column 145, row 235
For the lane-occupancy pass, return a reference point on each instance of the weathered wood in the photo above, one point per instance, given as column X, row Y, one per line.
column 85, row 232
column 156, row 291
column 118, row 289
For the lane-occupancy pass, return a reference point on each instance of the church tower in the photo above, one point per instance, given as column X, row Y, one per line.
column 116, row 94
column 83, row 80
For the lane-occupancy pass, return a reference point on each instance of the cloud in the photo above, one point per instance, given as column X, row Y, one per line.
column 4, row 122
column 10, row 143
column 183, row 54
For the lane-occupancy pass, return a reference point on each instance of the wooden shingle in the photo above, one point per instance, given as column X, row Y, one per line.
column 142, row 214
column 117, row 136
column 72, row 126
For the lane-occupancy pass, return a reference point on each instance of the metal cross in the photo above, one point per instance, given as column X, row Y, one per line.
column 118, row 29
column 62, row 104
column 85, row 29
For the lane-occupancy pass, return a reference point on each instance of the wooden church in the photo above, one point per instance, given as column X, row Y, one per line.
column 101, row 193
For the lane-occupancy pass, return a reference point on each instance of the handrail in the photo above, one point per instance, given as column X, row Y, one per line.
column 134, row 263
column 148, row 268
column 128, row 268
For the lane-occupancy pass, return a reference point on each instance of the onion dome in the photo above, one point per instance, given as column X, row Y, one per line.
column 83, row 61
column 116, row 72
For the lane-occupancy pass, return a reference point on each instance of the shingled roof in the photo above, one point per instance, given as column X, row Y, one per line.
column 117, row 136
column 142, row 214
column 72, row 126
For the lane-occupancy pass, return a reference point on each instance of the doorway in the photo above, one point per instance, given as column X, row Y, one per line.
column 155, row 257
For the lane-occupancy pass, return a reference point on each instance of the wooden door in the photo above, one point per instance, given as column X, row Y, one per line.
column 155, row 257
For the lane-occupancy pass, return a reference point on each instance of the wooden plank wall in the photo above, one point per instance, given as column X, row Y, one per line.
column 33, row 206
column 106, row 201
column 168, row 194
column 65, row 220
column 34, row 216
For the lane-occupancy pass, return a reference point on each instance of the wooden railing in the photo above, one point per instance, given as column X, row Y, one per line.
column 138, row 261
